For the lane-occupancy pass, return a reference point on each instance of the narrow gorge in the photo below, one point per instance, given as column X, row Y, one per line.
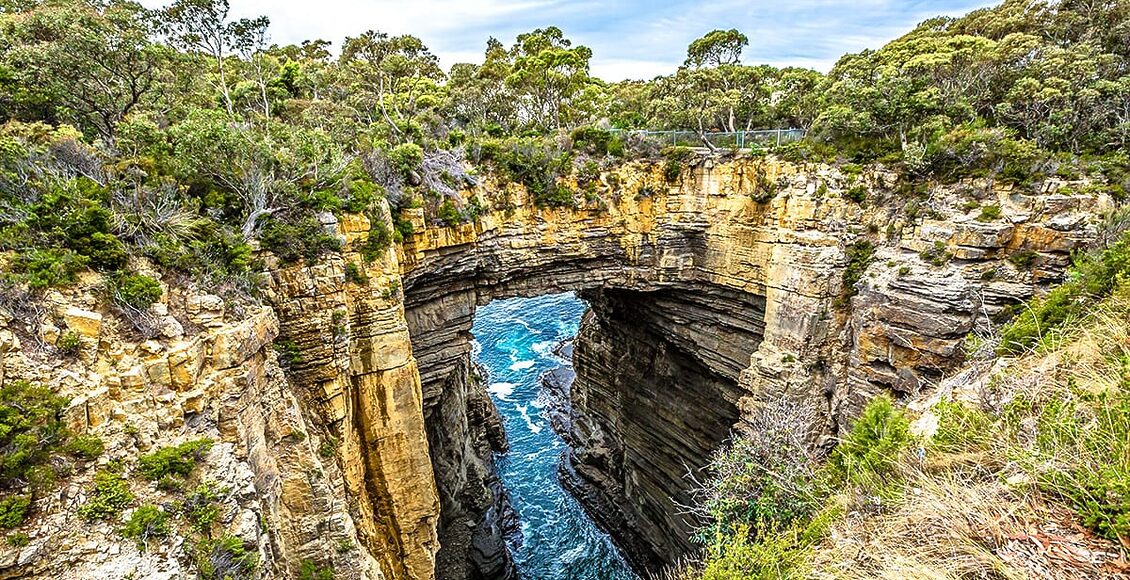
column 372, row 447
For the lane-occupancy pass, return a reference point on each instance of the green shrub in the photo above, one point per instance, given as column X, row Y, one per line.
column 377, row 242
column 592, row 140
column 147, row 521
column 868, row 454
column 108, row 498
column 449, row 214
column 1080, row 455
column 18, row 539
column 362, row 194
column 135, row 290
column 406, row 158
column 311, row 571
column 328, row 448
column 13, row 510
column 1023, row 259
column 288, row 352
column 859, row 255
column 31, row 430
column 536, row 165
column 672, row 170
column 1092, row 277
column 857, row 194
column 556, row 196
column 354, row 274
column 961, row 428
column 299, row 238
column 178, row 459
column 46, row 268
column 762, row 483
column 85, row 446
column 989, row 213
column 937, row 255
column 69, row 344
column 200, row 508
column 224, row 558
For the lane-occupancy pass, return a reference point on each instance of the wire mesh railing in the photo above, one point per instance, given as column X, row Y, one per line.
column 759, row 139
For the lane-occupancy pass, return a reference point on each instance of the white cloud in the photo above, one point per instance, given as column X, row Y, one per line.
column 630, row 39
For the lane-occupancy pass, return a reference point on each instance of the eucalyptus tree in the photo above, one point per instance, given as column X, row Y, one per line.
column 547, row 72
column 400, row 69
column 203, row 26
column 94, row 63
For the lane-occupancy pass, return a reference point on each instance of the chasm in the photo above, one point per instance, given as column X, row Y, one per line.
column 523, row 347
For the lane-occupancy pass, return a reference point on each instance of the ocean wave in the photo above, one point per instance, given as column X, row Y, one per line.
column 501, row 390
column 521, row 365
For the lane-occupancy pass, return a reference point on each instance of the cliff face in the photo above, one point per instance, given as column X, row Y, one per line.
column 372, row 451
column 716, row 292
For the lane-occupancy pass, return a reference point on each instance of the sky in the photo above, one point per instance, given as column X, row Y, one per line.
column 636, row 39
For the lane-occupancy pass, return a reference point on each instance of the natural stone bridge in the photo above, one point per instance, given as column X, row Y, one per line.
column 704, row 302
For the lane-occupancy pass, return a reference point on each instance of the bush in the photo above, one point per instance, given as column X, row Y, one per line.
column 137, row 291
column 200, row 508
column 45, row 268
column 1023, row 259
column 224, row 558
column 146, row 522
column 378, row 241
column 859, row 255
column 299, row 238
column 18, row 539
column 858, row 194
column 937, row 255
column 765, row 481
column 85, row 446
column 31, row 430
column 989, row 213
column 672, row 170
column 406, row 158
column 288, row 352
column 867, row 456
column 175, row 460
column 69, row 344
column 13, row 510
column 108, row 498
column 449, row 214
column 536, row 166
column 592, row 140
column 311, row 571
column 961, row 428
column 1080, row 456
column 354, row 274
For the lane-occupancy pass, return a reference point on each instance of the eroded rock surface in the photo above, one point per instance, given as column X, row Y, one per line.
column 371, row 450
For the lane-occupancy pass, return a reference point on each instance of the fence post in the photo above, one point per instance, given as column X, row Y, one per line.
column 778, row 137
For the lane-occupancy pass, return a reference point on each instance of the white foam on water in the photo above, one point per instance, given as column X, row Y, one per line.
column 529, row 422
column 545, row 347
column 521, row 365
column 501, row 390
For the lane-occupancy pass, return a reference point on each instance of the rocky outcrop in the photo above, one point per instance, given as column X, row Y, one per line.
column 220, row 381
column 710, row 295
column 367, row 444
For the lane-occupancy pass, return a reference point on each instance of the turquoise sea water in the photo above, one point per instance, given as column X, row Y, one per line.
column 559, row 541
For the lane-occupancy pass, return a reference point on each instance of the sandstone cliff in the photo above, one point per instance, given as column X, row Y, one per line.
column 372, row 452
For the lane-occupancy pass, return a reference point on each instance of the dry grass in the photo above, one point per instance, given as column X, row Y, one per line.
column 989, row 513
column 944, row 527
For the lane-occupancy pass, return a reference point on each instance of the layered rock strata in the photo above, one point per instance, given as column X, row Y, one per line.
column 717, row 292
column 367, row 445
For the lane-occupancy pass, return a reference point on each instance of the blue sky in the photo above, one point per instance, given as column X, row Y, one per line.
column 629, row 39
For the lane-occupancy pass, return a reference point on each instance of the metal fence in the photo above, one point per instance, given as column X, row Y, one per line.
column 760, row 139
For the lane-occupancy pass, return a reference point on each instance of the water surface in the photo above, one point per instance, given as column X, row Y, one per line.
column 516, row 339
